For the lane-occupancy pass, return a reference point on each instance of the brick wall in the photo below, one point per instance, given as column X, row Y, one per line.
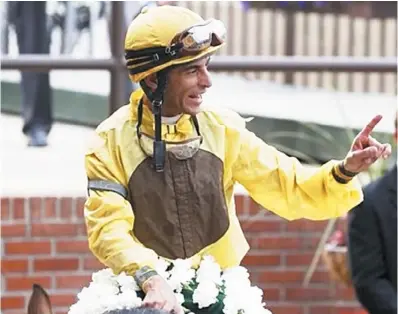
column 43, row 241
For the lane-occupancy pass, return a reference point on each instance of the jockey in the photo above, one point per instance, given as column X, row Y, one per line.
column 162, row 169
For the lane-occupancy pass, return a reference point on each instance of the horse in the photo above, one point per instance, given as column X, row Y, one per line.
column 40, row 303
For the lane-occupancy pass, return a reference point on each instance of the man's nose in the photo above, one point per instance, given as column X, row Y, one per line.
column 205, row 78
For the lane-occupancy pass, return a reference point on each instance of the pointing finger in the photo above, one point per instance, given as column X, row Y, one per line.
column 370, row 126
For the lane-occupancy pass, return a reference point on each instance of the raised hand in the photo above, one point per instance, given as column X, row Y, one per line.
column 365, row 150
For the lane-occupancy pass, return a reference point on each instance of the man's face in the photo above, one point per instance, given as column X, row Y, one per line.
column 185, row 86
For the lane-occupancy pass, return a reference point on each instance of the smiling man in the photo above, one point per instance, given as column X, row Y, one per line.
column 185, row 86
column 162, row 169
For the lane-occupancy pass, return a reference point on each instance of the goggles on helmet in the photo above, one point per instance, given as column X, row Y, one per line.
column 187, row 43
column 200, row 37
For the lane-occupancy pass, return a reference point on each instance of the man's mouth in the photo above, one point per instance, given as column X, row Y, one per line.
column 197, row 96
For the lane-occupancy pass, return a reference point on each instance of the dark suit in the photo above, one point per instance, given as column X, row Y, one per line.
column 372, row 245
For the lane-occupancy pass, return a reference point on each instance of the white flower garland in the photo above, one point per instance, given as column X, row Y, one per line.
column 108, row 291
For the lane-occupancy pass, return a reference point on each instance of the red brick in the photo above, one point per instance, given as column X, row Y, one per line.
column 77, row 246
column 320, row 276
column 354, row 309
column 281, row 276
column 83, row 229
column 54, row 264
column 62, row 299
column 299, row 259
column 240, row 205
column 322, row 309
column 280, row 308
column 35, row 208
column 252, row 239
column 261, row 225
column 304, row 225
column 80, row 202
column 277, row 242
column 55, row 229
column 66, row 207
column 309, row 243
column 14, row 266
column 72, row 282
column 42, row 247
column 12, row 303
column 263, row 260
column 271, row 294
column 14, row 230
column 333, row 309
column 308, row 294
column 18, row 208
column 26, row 282
column 5, row 209
column 50, row 207
column 346, row 294
column 253, row 208
column 92, row 264
column 18, row 311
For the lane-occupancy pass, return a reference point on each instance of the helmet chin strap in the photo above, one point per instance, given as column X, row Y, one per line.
column 156, row 98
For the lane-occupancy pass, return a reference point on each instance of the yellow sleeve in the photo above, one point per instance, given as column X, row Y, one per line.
column 109, row 216
column 283, row 185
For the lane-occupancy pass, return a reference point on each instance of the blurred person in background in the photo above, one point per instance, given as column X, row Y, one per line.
column 33, row 37
column 372, row 243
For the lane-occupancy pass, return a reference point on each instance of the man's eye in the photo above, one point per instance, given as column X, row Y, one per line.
column 193, row 70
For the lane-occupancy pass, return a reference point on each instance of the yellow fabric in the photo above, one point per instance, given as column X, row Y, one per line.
column 277, row 182
column 157, row 26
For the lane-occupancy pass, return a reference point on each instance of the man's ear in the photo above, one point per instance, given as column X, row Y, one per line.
column 151, row 81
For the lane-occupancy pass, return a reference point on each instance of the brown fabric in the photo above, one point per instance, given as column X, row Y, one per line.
column 179, row 211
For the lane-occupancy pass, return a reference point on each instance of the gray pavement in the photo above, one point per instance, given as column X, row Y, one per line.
column 54, row 170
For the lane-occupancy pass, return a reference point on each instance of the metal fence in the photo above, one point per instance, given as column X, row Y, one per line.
column 283, row 64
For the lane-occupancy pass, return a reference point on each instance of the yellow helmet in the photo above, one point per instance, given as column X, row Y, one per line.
column 160, row 37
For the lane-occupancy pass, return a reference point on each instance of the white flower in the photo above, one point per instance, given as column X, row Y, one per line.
column 205, row 294
column 127, row 282
column 253, row 301
column 108, row 291
column 97, row 291
column 230, row 305
column 236, row 276
column 180, row 297
column 161, row 266
column 181, row 264
column 112, row 303
column 125, row 300
column 104, row 276
column 255, row 295
column 89, row 306
column 181, row 273
column 209, row 270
